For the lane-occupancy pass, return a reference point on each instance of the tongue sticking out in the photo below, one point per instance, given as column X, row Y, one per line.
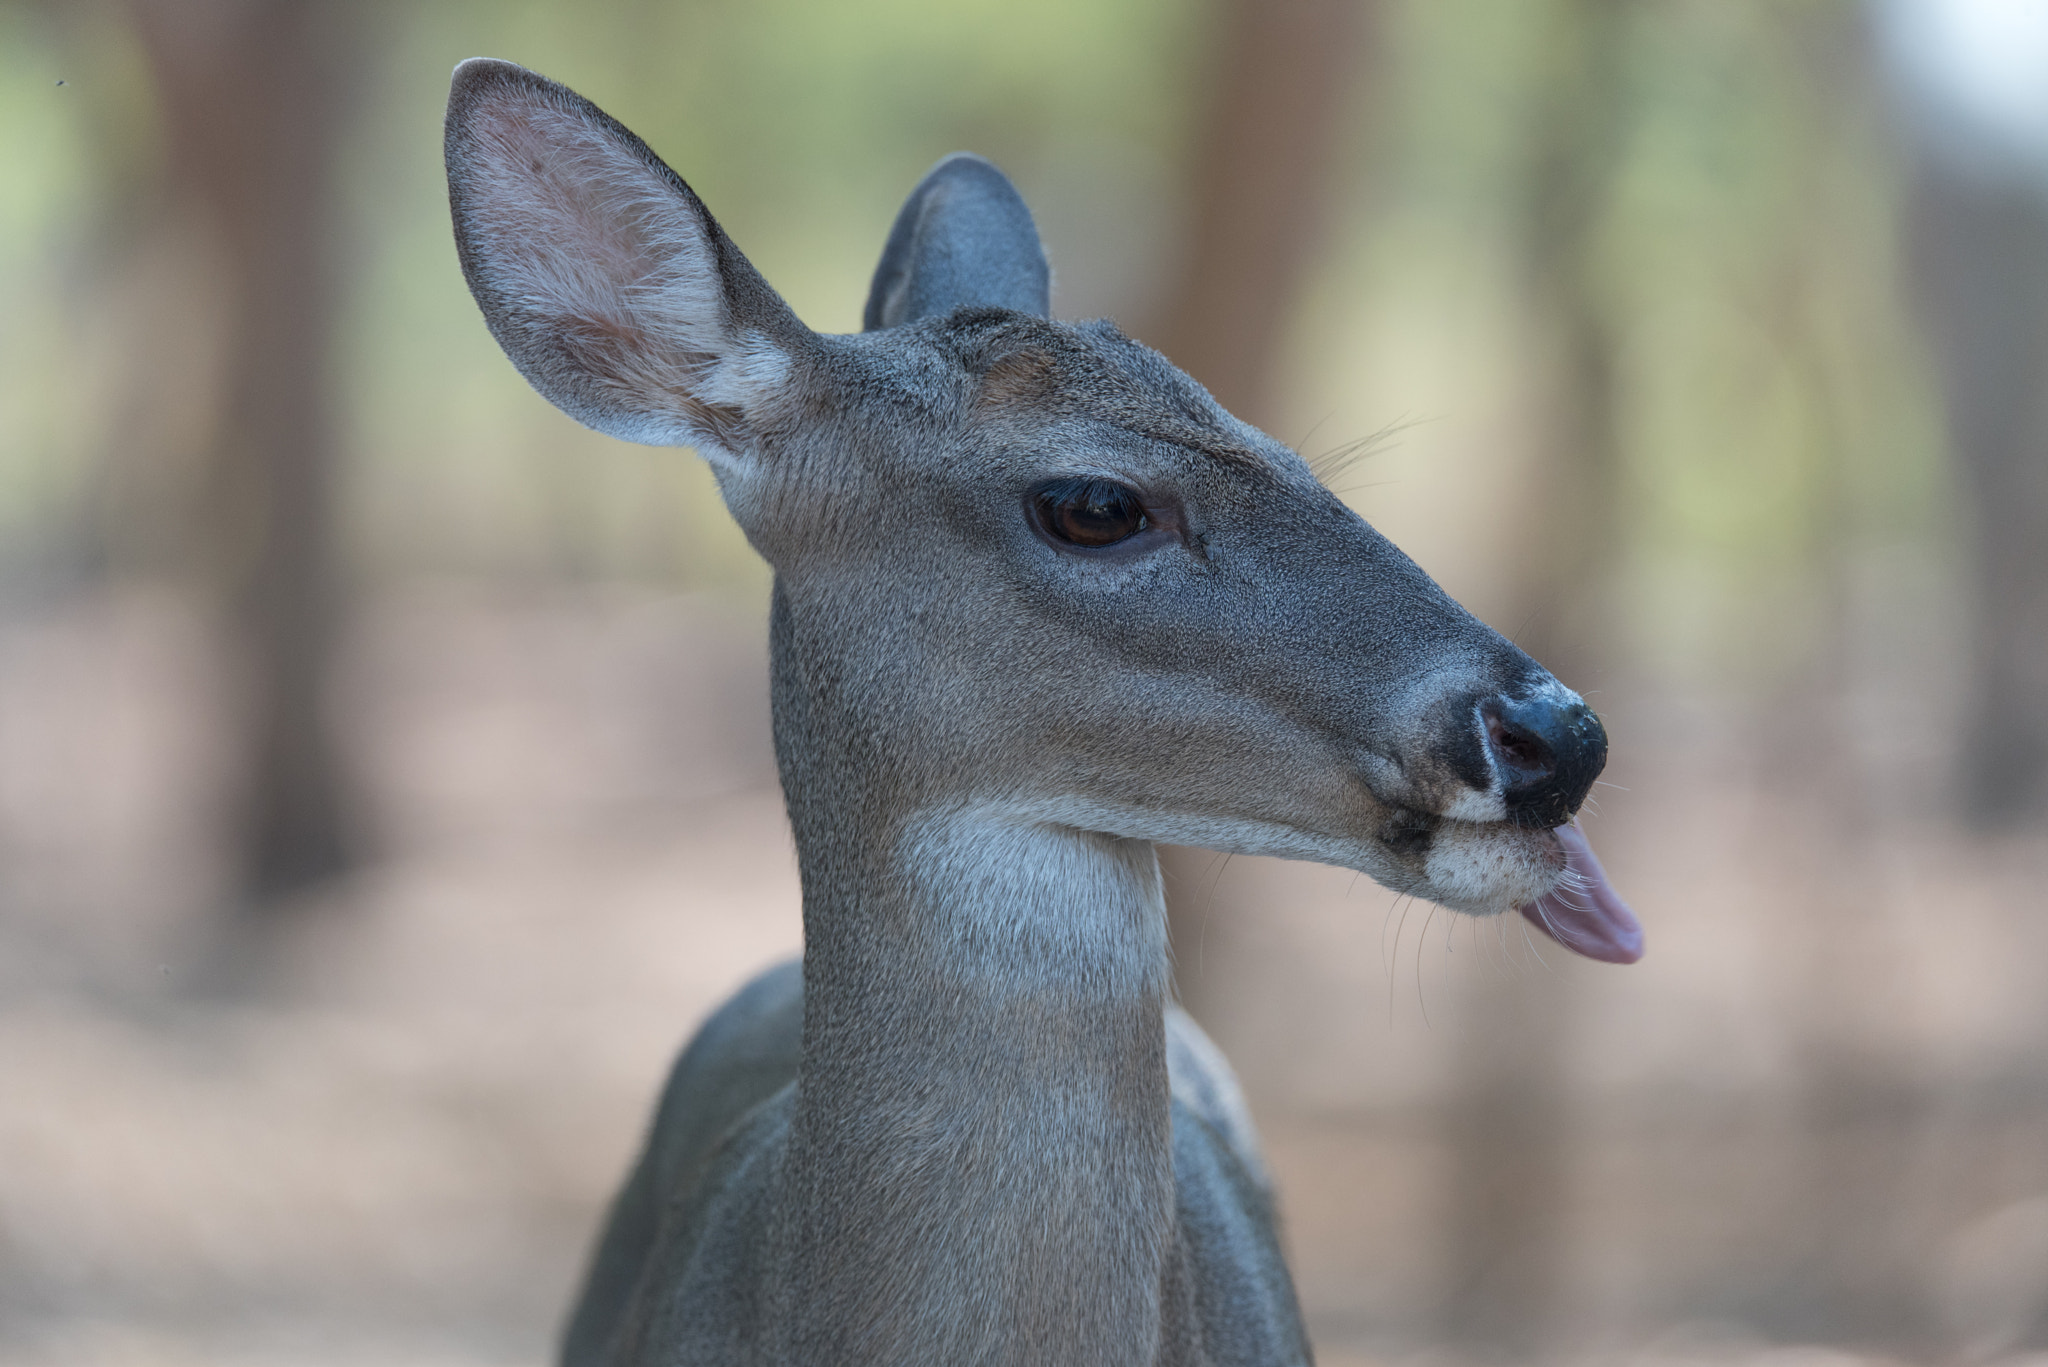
column 1584, row 914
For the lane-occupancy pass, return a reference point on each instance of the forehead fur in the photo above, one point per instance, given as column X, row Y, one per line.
column 1092, row 371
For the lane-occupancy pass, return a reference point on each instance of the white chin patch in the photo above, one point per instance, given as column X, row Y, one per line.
column 1491, row 867
column 1472, row 805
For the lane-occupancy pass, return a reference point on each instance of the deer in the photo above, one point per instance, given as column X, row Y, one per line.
column 1039, row 604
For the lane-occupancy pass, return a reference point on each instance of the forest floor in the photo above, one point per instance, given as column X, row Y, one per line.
column 382, row 1127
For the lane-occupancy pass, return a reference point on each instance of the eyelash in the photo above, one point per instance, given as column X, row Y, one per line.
column 1092, row 514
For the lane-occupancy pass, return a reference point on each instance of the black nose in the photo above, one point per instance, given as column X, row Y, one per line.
column 1548, row 756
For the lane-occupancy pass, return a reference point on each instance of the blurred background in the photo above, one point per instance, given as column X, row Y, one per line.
column 385, row 785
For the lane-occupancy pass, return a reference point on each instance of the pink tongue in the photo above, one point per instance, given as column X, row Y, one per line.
column 1584, row 914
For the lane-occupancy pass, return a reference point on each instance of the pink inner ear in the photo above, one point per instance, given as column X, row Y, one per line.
column 569, row 208
column 600, row 273
column 594, row 265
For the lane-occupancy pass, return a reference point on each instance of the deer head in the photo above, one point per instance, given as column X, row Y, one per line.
column 1027, row 566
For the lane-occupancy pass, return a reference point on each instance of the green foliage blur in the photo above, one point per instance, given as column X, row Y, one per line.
column 1778, row 438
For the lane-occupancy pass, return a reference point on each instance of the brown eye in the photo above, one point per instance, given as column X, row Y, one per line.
column 1092, row 512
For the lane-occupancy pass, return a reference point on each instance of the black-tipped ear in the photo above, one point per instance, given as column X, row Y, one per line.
column 963, row 237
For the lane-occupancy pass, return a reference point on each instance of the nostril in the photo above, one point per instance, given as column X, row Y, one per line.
column 1547, row 752
column 1523, row 755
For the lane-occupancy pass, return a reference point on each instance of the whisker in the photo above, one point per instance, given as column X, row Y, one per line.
column 1209, row 910
column 1344, row 490
column 1421, row 940
column 1395, row 962
column 1386, row 919
column 1506, row 966
column 1531, row 943
column 1334, row 462
column 1316, row 427
column 1551, row 925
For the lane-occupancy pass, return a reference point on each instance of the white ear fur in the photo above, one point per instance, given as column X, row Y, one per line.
column 601, row 274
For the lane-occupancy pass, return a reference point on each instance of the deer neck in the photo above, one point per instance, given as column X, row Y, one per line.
column 979, row 1163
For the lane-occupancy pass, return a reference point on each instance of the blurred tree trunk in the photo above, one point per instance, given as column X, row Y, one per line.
column 1978, row 244
column 1574, row 142
column 1258, row 188
column 249, row 93
column 1510, row 1114
column 1279, row 84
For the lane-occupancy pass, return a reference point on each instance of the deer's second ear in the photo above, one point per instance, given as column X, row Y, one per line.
column 598, row 270
column 964, row 237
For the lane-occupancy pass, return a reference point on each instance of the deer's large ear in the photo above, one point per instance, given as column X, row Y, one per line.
column 601, row 274
column 963, row 237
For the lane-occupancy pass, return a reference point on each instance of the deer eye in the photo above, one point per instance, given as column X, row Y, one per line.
column 1091, row 512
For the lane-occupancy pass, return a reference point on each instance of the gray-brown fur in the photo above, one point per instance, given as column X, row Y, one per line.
column 990, row 1141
